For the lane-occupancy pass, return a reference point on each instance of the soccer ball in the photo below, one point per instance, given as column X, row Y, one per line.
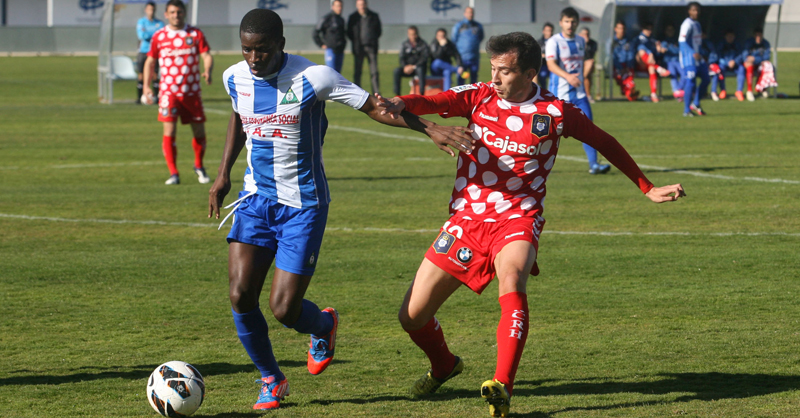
column 145, row 99
column 175, row 389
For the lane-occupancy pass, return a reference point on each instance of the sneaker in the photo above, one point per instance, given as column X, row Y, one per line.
column 600, row 169
column 428, row 384
column 723, row 95
column 698, row 110
column 173, row 179
column 750, row 97
column 739, row 96
column 202, row 177
column 714, row 96
column 662, row 72
column 321, row 349
column 497, row 397
column 272, row 393
column 688, row 115
column 765, row 94
column 654, row 98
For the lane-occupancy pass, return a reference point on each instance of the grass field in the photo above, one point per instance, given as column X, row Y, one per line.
column 641, row 310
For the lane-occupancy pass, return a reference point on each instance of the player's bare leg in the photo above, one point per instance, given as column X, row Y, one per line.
column 513, row 265
column 430, row 288
column 199, row 147
column 170, row 152
column 247, row 269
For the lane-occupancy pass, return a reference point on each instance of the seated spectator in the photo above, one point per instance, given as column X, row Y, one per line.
column 670, row 59
column 756, row 57
column 544, row 74
column 443, row 53
column 413, row 60
column 729, row 59
column 647, row 50
column 621, row 52
column 588, row 63
column 708, row 54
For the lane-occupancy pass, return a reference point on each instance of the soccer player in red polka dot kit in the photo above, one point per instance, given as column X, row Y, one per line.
column 497, row 205
column 178, row 48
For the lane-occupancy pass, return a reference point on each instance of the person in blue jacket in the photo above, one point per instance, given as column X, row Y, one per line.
column 756, row 51
column 671, row 61
column 729, row 54
column 467, row 35
column 145, row 28
column 621, row 51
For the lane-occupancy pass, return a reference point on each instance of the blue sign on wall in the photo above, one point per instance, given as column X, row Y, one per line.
column 271, row 4
column 442, row 6
column 91, row 5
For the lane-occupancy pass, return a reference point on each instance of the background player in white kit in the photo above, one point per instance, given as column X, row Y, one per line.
column 279, row 115
column 565, row 54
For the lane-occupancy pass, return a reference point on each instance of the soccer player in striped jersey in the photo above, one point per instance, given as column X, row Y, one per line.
column 497, row 206
column 279, row 116
column 690, row 39
column 565, row 53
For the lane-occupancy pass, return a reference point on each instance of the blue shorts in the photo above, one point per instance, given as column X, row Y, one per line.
column 294, row 235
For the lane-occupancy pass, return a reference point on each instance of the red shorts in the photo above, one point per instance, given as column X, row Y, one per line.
column 189, row 108
column 466, row 249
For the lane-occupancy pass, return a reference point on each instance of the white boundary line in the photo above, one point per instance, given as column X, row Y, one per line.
column 391, row 230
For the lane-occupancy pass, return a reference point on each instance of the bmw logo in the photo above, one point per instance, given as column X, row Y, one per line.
column 464, row 255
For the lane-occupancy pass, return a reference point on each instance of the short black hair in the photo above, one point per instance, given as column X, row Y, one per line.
column 442, row 30
column 621, row 22
column 176, row 3
column 416, row 29
column 262, row 22
column 730, row 30
column 647, row 25
column 150, row 3
column 694, row 3
column 548, row 24
column 569, row 12
column 529, row 53
column 585, row 28
column 758, row 29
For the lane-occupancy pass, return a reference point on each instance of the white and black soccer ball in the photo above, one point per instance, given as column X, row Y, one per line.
column 175, row 389
column 145, row 99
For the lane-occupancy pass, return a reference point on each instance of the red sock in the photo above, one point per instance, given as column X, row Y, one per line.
column 512, row 332
column 199, row 146
column 430, row 339
column 653, row 82
column 170, row 153
column 749, row 71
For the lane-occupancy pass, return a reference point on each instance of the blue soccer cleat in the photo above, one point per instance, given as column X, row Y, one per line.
column 321, row 349
column 600, row 169
column 272, row 392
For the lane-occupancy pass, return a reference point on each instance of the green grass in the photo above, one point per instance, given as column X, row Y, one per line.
column 693, row 313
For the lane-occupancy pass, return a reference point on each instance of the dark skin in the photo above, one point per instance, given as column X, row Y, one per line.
column 248, row 264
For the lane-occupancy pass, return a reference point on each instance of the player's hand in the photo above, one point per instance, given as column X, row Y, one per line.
column 731, row 64
column 392, row 107
column 697, row 56
column 147, row 92
column 207, row 76
column 669, row 193
column 220, row 189
column 458, row 137
column 573, row 80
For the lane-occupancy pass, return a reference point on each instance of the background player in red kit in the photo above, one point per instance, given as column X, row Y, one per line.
column 497, row 204
column 177, row 47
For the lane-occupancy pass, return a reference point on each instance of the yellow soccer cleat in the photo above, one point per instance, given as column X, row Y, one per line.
column 428, row 384
column 497, row 396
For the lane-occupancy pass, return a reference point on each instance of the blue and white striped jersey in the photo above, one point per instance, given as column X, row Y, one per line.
column 569, row 55
column 689, row 41
column 283, row 115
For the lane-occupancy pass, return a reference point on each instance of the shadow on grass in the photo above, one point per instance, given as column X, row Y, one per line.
column 701, row 386
column 132, row 373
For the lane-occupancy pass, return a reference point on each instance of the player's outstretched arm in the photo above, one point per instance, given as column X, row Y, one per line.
column 669, row 193
column 457, row 137
column 234, row 142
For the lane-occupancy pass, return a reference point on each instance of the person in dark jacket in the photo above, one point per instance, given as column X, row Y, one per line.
column 413, row 60
column 443, row 53
column 364, row 29
column 588, row 62
column 330, row 35
column 543, row 78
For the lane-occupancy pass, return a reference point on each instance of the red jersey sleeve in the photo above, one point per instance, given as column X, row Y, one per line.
column 458, row 101
column 578, row 126
column 202, row 44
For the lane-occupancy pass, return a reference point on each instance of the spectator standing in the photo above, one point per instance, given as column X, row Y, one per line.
column 364, row 29
column 330, row 34
column 145, row 28
column 588, row 62
column 443, row 53
column 467, row 35
column 544, row 74
column 621, row 53
column 730, row 59
column 413, row 60
column 756, row 60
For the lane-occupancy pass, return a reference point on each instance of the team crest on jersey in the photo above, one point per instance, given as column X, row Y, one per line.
column 540, row 125
column 464, row 255
column 459, row 89
column 312, row 261
column 443, row 243
column 289, row 98
column 189, row 40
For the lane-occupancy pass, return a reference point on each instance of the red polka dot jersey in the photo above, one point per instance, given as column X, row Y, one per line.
column 177, row 52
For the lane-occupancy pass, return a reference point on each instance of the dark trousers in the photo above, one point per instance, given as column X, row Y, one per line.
column 371, row 54
column 399, row 74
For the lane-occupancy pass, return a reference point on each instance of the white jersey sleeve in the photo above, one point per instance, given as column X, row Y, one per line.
column 551, row 49
column 330, row 85
column 227, row 76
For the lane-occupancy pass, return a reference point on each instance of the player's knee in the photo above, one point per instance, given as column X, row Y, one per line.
column 242, row 300
column 284, row 310
column 408, row 322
